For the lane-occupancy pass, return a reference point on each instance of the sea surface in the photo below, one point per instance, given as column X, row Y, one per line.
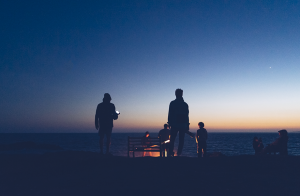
column 230, row 144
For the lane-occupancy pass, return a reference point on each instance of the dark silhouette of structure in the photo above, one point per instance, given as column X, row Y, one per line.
column 201, row 138
column 164, row 136
column 279, row 145
column 105, row 114
column 178, row 120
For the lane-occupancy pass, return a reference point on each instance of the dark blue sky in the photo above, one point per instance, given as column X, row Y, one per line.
column 238, row 63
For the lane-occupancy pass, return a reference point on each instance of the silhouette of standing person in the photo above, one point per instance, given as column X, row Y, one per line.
column 178, row 120
column 164, row 136
column 201, row 140
column 105, row 114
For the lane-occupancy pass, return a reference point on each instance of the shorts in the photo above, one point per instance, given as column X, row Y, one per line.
column 105, row 131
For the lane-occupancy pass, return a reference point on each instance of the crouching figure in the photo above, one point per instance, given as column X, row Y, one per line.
column 279, row 145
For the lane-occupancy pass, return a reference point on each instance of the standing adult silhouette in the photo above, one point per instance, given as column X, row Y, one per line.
column 105, row 114
column 178, row 120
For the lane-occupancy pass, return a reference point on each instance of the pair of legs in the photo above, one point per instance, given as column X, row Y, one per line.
column 201, row 145
column 102, row 132
column 165, row 149
column 172, row 140
column 149, row 153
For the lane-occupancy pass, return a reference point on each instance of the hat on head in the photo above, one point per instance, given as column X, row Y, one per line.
column 283, row 131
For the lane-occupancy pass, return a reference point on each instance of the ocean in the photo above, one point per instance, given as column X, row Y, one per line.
column 230, row 144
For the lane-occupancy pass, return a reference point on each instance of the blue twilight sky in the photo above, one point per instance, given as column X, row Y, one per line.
column 238, row 63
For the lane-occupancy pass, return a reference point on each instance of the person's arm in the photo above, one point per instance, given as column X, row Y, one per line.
column 276, row 142
column 170, row 115
column 188, row 119
column 97, row 118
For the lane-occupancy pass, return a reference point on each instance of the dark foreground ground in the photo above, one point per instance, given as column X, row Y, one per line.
column 86, row 173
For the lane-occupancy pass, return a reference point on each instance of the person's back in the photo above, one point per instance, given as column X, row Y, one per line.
column 146, row 142
column 164, row 134
column 279, row 145
column 178, row 119
column 202, row 135
column 105, row 114
column 178, row 114
column 201, row 140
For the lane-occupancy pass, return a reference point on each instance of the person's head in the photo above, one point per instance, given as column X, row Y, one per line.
column 166, row 126
column 179, row 93
column 255, row 139
column 147, row 134
column 201, row 124
column 282, row 133
column 106, row 97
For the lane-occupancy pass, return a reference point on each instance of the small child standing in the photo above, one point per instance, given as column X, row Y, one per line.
column 201, row 138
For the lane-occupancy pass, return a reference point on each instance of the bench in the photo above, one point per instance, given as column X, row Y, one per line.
column 136, row 144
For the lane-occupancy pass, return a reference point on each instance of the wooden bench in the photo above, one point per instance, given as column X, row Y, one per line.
column 136, row 144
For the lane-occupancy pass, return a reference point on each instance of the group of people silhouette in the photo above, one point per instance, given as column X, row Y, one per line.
column 178, row 123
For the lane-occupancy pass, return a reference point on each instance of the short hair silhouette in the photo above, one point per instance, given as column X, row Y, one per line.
column 107, row 97
column 179, row 92
column 166, row 126
column 201, row 124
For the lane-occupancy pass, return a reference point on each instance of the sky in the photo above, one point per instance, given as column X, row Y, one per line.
column 237, row 63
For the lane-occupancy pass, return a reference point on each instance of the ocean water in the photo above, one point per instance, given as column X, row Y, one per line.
column 230, row 144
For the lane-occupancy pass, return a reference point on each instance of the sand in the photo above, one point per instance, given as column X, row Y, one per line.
column 87, row 173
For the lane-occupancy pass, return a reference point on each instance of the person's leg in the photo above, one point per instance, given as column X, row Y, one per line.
column 101, row 138
column 199, row 152
column 108, row 140
column 167, row 149
column 204, row 149
column 172, row 141
column 200, row 146
column 144, row 153
column 181, row 142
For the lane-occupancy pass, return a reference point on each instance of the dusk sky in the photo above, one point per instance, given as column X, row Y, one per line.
column 238, row 63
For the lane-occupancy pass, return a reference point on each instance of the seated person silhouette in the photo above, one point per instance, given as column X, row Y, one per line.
column 164, row 136
column 279, row 145
column 146, row 142
column 201, row 138
column 257, row 145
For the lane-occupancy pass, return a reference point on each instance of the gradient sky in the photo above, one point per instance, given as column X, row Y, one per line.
column 238, row 63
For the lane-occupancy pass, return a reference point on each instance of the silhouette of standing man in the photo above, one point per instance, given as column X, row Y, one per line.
column 178, row 120
column 105, row 114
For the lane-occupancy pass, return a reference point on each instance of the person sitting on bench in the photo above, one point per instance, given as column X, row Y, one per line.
column 257, row 145
column 279, row 145
column 146, row 142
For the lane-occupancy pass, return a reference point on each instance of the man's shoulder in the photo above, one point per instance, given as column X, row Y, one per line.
column 172, row 102
column 178, row 102
column 201, row 130
column 105, row 104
